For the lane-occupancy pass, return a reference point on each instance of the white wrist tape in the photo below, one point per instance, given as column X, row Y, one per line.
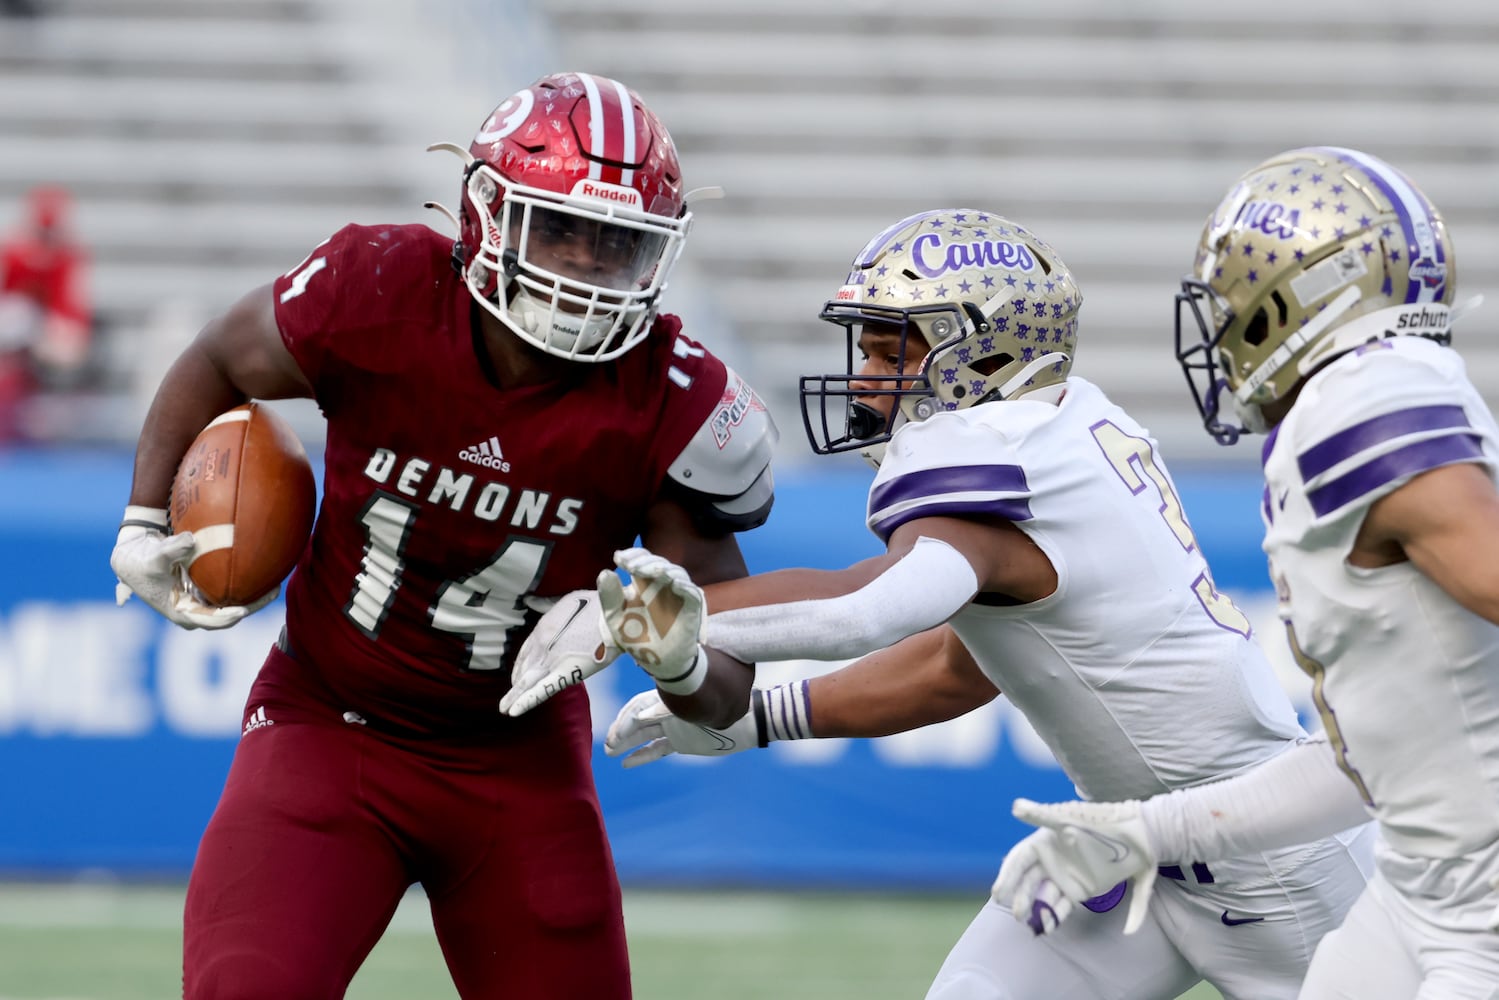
column 145, row 517
column 688, row 682
column 782, row 712
column 1298, row 796
column 923, row 589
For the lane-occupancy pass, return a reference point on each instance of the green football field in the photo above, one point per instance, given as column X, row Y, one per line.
column 93, row 941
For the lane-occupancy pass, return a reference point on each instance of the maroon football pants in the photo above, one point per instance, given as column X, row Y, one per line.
column 324, row 824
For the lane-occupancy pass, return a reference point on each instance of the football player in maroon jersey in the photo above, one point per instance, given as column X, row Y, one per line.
column 504, row 413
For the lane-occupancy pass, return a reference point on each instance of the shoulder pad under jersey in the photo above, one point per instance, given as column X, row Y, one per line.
column 1373, row 419
column 723, row 475
column 932, row 469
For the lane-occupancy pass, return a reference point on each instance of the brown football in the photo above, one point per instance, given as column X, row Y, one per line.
column 245, row 491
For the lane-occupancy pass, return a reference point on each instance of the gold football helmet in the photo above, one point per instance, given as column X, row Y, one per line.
column 992, row 304
column 1312, row 253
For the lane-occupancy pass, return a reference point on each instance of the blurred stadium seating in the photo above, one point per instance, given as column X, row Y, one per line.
column 1111, row 129
column 212, row 144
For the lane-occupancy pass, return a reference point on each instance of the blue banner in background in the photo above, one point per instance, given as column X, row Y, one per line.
column 116, row 729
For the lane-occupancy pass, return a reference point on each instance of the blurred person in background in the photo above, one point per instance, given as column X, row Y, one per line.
column 46, row 318
column 1036, row 519
column 504, row 412
column 1322, row 303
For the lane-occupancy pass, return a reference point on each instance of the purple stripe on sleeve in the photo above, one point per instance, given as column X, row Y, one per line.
column 951, row 479
column 1006, row 509
column 1346, row 443
column 1408, row 461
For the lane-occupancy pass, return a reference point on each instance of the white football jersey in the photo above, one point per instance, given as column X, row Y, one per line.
column 1407, row 680
column 1136, row 672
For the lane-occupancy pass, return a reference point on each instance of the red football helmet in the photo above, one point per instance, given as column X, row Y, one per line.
column 572, row 216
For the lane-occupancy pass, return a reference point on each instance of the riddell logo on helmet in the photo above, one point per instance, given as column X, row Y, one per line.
column 607, row 192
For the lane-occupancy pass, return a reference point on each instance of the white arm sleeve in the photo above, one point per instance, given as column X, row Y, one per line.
column 923, row 589
column 1298, row 796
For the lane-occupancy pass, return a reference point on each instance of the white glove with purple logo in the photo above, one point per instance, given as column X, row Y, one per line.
column 1082, row 851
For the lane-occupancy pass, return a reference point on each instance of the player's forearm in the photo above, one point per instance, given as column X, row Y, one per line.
column 785, row 585
column 192, row 393
column 723, row 698
column 919, row 681
column 1299, row 796
column 671, row 534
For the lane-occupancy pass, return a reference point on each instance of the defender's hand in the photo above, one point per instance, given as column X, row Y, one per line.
column 153, row 566
column 657, row 618
column 646, row 720
column 1083, row 850
column 568, row 645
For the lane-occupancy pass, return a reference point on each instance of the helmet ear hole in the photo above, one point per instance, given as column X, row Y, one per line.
column 1258, row 330
column 993, row 363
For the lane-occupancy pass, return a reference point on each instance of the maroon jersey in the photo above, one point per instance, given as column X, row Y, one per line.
column 446, row 500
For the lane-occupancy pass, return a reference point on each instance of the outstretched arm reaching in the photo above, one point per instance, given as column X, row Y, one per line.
column 1084, row 849
column 925, row 679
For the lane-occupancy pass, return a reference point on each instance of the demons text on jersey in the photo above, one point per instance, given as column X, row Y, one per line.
column 488, row 501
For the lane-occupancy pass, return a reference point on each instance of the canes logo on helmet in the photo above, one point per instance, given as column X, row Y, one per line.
column 572, row 216
column 1313, row 253
column 952, row 257
column 989, row 305
column 1273, row 218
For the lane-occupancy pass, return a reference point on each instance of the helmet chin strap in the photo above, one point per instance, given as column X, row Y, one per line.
column 542, row 323
column 874, row 454
column 1250, row 416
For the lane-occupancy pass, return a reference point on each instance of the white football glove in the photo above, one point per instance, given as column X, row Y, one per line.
column 645, row 719
column 657, row 619
column 568, row 645
column 153, row 566
column 1083, row 850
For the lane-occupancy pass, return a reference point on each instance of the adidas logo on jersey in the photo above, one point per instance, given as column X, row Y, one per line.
column 257, row 720
column 487, row 454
